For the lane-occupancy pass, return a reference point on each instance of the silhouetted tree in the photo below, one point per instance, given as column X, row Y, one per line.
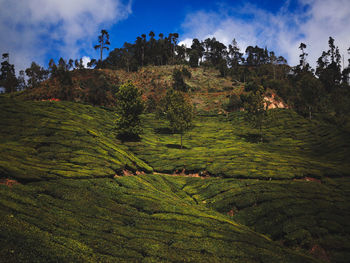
column 103, row 41
column 21, row 81
column 7, row 74
column 36, row 74
column 328, row 67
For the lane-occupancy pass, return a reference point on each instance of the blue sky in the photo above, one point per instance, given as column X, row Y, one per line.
column 37, row 30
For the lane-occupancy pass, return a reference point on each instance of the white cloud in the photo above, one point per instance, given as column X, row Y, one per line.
column 86, row 60
column 312, row 23
column 32, row 29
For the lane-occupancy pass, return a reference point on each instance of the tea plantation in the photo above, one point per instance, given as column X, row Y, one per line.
column 292, row 147
column 284, row 200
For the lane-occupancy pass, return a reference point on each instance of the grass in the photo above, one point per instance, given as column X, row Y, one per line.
column 293, row 147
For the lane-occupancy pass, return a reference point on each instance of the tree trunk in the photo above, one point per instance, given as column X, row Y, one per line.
column 101, row 50
column 310, row 113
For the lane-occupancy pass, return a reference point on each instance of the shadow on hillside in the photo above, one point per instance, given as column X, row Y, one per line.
column 163, row 130
column 129, row 138
column 253, row 138
column 175, row 146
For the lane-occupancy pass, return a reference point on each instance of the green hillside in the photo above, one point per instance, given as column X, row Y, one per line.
column 70, row 202
column 51, row 140
column 128, row 219
column 293, row 147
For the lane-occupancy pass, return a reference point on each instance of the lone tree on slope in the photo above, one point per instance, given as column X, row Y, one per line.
column 179, row 112
column 253, row 103
column 129, row 108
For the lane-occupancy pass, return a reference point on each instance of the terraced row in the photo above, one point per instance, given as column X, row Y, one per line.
column 309, row 215
column 46, row 140
column 127, row 219
column 293, row 147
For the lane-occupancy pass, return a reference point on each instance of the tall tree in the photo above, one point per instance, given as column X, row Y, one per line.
column 21, row 81
column 7, row 74
column 103, row 41
column 179, row 112
column 235, row 57
column 328, row 67
column 303, row 65
column 346, row 71
column 196, row 52
column 36, row 74
column 310, row 92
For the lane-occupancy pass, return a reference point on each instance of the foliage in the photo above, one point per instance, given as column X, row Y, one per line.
column 7, row 75
column 179, row 112
column 234, row 103
column 103, row 41
column 36, row 74
column 178, row 78
column 253, row 103
column 310, row 92
column 129, row 107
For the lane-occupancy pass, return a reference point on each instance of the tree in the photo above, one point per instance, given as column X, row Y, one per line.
column 310, row 91
column 178, row 77
column 21, row 81
column 346, row 71
column 52, row 68
column 79, row 64
column 234, row 56
column 36, row 74
column 328, row 67
column 196, row 52
column 253, row 103
column 7, row 74
column 179, row 112
column 129, row 108
column 103, row 41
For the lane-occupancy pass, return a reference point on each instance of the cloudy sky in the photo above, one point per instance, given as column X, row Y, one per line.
column 37, row 30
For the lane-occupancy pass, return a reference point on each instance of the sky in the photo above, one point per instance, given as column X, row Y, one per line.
column 38, row 30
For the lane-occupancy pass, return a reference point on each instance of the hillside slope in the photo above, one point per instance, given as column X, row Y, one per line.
column 50, row 140
column 61, row 186
column 128, row 219
column 293, row 147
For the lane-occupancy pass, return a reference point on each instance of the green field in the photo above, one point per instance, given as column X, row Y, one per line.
column 284, row 200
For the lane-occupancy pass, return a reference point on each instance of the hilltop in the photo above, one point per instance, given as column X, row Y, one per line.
column 209, row 92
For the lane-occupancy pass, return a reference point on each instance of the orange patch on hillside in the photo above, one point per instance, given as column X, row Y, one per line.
column 231, row 213
column 319, row 253
column 308, row 179
column 8, row 182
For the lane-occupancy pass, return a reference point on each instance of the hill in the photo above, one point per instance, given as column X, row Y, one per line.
column 62, row 186
column 208, row 91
